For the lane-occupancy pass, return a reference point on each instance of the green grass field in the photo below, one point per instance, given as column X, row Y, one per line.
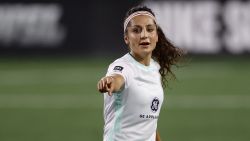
column 55, row 99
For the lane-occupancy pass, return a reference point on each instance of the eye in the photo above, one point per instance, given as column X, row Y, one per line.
column 136, row 30
column 151, row 29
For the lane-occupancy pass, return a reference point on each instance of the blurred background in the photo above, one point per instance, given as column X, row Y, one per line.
column 52, row 53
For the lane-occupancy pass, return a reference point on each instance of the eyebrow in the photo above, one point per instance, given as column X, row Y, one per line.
column 141, row 26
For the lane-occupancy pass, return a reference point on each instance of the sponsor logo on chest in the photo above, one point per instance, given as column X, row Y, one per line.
column 154, row 106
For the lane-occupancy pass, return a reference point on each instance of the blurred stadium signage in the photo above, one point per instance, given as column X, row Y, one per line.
column 206, row 26
column 93, row 28
column 31, row 24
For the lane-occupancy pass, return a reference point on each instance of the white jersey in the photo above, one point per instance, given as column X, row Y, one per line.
column 132, row 113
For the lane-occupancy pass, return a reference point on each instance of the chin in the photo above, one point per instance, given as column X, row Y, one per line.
column 146, row 52
column 148, row 49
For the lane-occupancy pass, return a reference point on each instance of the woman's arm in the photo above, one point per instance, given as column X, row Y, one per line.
column 157, row 136
column 110, row 84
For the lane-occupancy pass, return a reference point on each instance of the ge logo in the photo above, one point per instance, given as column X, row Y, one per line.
column 155, row 104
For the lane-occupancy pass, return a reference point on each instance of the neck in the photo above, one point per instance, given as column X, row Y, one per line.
column 145, row 60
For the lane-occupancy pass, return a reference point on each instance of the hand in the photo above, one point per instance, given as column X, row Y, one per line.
column 158, row 138
column 106, row 84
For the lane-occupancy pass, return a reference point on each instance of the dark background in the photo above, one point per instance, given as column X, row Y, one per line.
column 92, row 28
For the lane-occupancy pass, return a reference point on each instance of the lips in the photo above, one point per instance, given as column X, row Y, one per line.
column 144, row 43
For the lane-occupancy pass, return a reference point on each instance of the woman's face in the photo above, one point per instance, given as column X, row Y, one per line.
column 141, row 35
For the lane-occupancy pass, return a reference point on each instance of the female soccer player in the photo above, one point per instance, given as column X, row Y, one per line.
column 133, row 85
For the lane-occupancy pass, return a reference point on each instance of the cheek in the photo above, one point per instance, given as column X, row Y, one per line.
column 133, row 39
column 155, row 38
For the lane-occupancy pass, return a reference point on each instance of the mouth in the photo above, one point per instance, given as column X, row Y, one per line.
column 144, row 43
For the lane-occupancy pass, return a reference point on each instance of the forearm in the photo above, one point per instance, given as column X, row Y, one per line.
column 158, row 136
column 118, row 81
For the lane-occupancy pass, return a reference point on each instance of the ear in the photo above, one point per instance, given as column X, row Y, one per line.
column 126, row 39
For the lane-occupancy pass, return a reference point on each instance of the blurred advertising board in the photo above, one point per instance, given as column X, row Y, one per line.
column 31, row 24
column 206, row 26
column 92, row 27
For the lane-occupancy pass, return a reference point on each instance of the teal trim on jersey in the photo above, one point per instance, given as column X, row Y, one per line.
column 146, row 68
column 118, row 113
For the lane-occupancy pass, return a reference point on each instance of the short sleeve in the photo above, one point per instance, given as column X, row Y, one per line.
column 121, row 68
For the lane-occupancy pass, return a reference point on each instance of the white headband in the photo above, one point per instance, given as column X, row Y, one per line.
column 138, row 13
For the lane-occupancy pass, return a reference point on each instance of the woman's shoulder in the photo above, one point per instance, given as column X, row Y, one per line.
column 121, row 64
column 124, row 60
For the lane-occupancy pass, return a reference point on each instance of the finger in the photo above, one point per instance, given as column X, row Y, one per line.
column 99, row 83
column 107, row 87
column 100, row 86
column 107, row 80
column 110, row 92
column 111, row 89
column 103, row 82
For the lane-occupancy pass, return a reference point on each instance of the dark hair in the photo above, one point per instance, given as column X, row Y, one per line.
column 165, row 53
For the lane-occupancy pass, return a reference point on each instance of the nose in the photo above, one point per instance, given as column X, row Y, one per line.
column 144, row 33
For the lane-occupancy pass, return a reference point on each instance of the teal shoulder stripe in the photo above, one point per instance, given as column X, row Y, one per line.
column 118, row 112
